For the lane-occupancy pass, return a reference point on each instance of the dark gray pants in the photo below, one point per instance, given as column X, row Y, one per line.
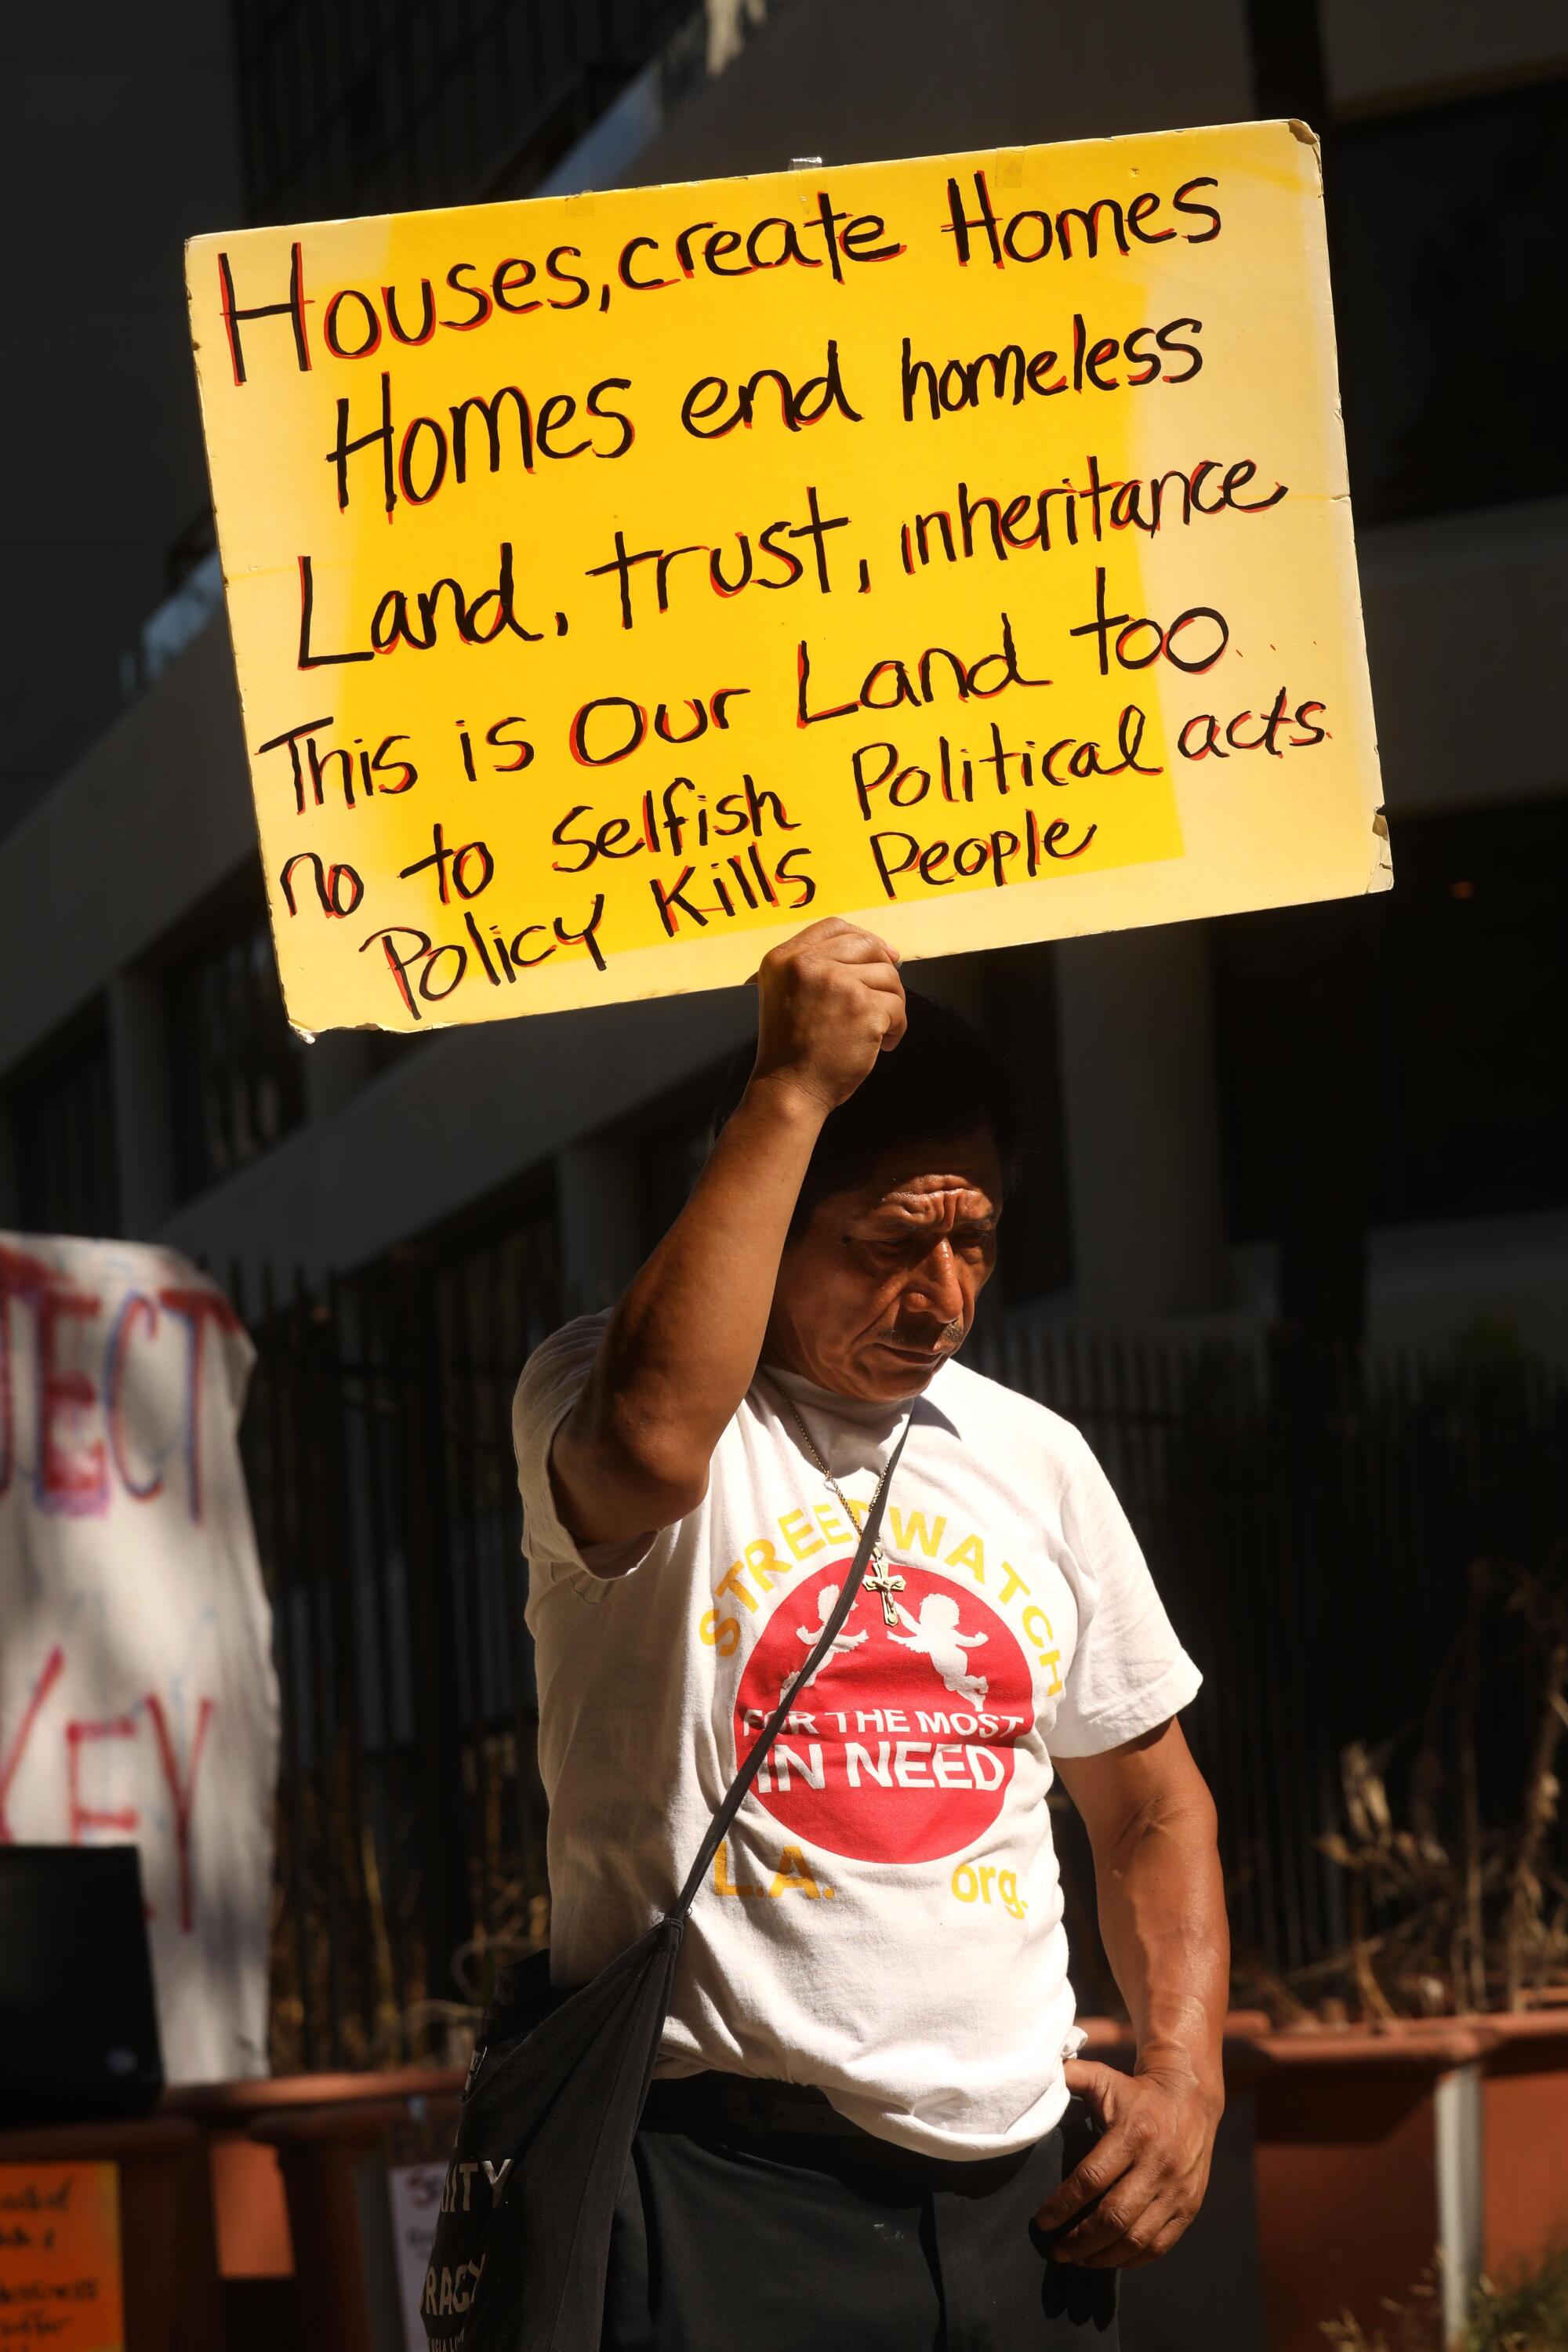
column 732, row 2234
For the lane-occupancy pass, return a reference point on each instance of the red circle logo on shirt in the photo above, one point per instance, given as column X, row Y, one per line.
column 902, row 1745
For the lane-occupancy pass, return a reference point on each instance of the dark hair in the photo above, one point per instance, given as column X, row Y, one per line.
column 942, row 1080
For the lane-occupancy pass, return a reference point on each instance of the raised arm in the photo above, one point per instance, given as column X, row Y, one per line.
column 1150, row 1822
column 682, row 1344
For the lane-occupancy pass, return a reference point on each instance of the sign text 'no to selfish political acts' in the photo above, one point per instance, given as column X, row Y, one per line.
column 618, row 582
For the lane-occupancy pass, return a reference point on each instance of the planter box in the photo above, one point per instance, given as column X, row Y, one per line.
column 166, row 2253
column 1524, row 2106
column 1368, row 2160
column 270, row 2297
column 334, row 2162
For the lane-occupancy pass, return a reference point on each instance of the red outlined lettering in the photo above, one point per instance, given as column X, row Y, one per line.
column 53, row 1668
column 80, row 1817
column 294, row 306
column 72, row 1477
column 134, row 1310
column 181, row 1798
column 196, row 1309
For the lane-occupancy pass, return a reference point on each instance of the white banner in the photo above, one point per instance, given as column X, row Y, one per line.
column 138, row 1700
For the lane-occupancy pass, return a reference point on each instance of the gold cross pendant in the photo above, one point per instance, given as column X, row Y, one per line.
column 881, row 1583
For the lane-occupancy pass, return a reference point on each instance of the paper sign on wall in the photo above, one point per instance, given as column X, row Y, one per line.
column 619, row 582
column 60, row 2257
column 414, row 2194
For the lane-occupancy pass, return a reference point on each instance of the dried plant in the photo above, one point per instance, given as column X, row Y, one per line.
column 1415, row 2324
column 347, row 1952
column 1449, row 1911
column 1528, row 2313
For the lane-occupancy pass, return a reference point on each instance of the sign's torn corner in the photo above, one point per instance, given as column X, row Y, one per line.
column 1381, row 874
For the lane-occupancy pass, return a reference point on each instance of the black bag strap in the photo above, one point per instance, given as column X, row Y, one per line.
column 723, row 1819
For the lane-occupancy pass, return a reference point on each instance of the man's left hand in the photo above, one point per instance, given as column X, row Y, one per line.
column 1143, row 2180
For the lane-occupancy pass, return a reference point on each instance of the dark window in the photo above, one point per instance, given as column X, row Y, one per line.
column 671, row 1150
column 239, row 1077
column 1453, row 1107
column 62, row 1107
column 1447, row 230
column 393, row 103
column 1019, row 1012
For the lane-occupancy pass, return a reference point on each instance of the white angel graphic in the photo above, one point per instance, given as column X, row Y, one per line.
column 936, row 1636
column 841, row 1645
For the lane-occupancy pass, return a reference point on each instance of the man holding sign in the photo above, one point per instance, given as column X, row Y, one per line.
column 956, row 550
column 868, row 2100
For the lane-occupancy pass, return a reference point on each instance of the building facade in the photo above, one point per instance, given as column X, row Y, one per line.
column 1344, row 1117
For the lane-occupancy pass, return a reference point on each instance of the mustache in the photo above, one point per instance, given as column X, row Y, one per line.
column 947, row 1339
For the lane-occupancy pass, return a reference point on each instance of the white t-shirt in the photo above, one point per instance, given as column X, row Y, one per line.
column 885, row 1920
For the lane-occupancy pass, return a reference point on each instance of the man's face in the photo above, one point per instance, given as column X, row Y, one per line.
column 880, row 1288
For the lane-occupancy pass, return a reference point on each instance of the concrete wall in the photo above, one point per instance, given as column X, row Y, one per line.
column 456, row 1121
column 1464, row 633
column 1383, row 54
column 152, row 818
column 859, row 81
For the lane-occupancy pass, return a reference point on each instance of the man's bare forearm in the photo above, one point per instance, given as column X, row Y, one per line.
column 682, row 1344
column 1150, row 1821
column 1161, row 1916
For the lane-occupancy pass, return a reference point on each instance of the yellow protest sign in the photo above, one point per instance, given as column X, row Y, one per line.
column 60, row 2257
column 619, row 580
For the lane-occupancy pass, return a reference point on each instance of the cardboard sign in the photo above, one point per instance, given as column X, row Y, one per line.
column 620, row 582
column 60, row 2257
column 138, row 1699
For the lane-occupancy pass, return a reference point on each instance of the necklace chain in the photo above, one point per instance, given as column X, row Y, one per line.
column 811, row 1446
column 881, row 1580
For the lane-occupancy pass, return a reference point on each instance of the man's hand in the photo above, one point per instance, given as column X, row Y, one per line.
column 1150, row 1822
column 1136, row 2190
column 830, row 1001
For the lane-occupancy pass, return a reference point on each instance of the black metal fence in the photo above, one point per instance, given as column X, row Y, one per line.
column 1312, row 1527
column 410, row 1821
column 1313, row 1523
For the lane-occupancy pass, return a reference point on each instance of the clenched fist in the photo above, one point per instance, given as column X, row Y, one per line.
column 830, row 1001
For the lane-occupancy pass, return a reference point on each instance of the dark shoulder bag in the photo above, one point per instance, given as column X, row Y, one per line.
column 555, row 2095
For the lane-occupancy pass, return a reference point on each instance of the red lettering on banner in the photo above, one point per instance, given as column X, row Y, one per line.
column 134, row 1307
column 181, row 1798
column 73, row 1473
column 54, row 1667
column 21, row 1276
column 196, row 1309
column 91, row 1817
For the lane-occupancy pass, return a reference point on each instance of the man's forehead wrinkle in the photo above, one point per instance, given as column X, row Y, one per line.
column 927, row 1201
column 927, row 1188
